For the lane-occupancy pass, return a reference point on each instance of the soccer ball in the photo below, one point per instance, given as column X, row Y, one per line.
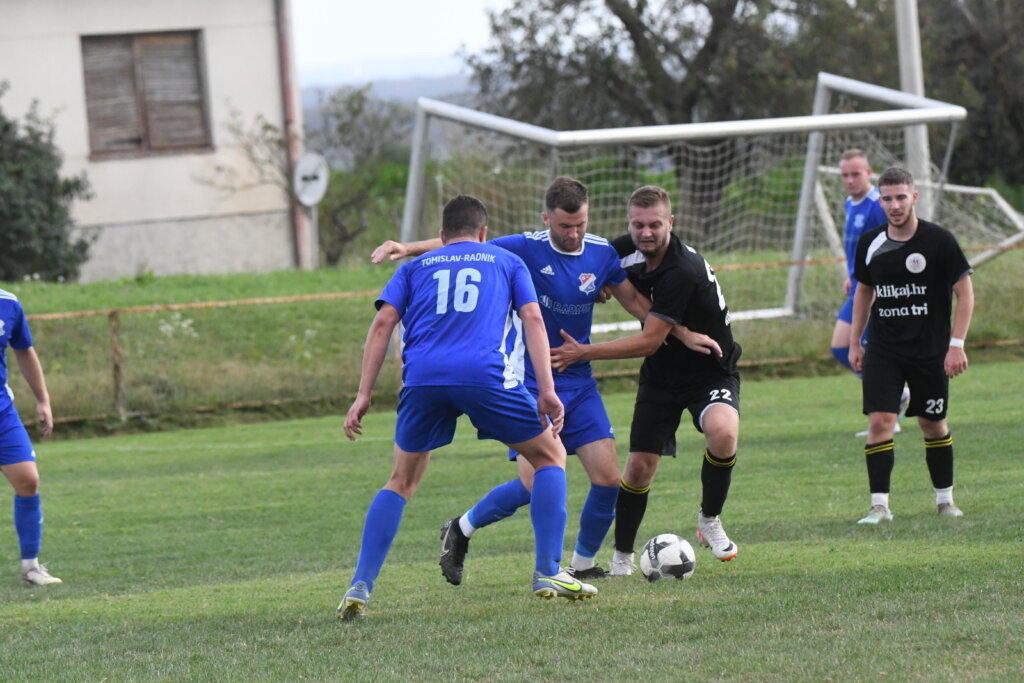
column 667, row 556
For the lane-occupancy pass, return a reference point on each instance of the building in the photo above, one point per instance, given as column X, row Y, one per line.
column 141, row 95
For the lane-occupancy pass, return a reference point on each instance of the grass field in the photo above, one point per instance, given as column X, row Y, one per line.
column 220, row 554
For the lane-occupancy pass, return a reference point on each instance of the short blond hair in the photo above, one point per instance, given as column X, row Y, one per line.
column 650, row 195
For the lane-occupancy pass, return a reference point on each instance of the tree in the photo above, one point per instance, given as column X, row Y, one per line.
column 366, row 140
column 974, row 56
column 596, row 64
column 35, row 203
column 605, row 63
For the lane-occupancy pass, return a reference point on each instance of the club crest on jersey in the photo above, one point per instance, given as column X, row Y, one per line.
column 916, row 263
column 588, row 283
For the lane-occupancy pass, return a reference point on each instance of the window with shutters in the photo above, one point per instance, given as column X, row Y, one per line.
column 145, row 94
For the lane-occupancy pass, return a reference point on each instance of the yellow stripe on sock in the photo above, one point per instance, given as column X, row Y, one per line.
column 630, row 489
column 878, row 448
column 939, row 443
column 719, row 463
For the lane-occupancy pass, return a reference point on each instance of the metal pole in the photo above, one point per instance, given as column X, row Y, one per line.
column 413, row 211
column 815, row 143
column 918, row 161
column 115, row 352
column 314, row 239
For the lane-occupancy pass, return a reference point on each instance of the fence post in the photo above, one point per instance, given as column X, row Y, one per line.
column 115, row 352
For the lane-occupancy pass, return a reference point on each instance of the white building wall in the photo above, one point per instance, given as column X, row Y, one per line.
column 155, row 212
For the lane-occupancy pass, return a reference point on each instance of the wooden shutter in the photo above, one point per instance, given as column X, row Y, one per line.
column 112, row 104
column 173, row 91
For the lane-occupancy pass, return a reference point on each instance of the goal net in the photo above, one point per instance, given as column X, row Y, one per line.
column 761, row 199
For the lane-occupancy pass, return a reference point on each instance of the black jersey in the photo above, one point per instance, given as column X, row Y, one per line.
column 683, row 290
column 913, row 283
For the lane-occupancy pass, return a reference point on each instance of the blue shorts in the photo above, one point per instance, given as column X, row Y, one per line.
column 14, row 442
column 586, row 420
column 846, row 312
column 427, row 415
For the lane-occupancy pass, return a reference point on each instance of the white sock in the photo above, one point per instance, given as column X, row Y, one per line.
column 880, row 499
column 618, row 556
column 944, row 496
column 467, row 529
column 580, row 562
column 29, row 564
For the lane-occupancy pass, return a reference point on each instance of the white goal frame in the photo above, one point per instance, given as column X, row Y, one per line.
column 903, row 109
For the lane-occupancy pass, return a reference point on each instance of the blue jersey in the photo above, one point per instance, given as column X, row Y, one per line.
column 567, row 286
column 867, row 214
column 455, row 303
column 14, row 333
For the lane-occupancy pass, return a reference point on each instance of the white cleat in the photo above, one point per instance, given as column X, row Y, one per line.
column 950, row 510
column 877, row 513
column 38, row 576
column 622, row 564
column 711, row 535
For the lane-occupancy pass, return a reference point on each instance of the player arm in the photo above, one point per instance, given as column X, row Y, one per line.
column 638, row 305
column 393, row 250
column 956, row 357
column 861, row 309
column 653, row 335
column 32, row 371
column 374, row 353
column 536, row 336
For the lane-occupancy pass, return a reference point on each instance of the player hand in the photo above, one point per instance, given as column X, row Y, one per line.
column 550, row 408
column 45, row 417
column 701, row 343
column 353, row 420
column 603, row 295
column 847, row 286
column 956, row 361
column 568, row 353
column 857, row 357
column 390, row 249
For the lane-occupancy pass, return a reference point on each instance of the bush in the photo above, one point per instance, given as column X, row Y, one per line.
column 35, row 203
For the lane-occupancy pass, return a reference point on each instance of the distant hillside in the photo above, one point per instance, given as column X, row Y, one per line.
column 454, row 88
column 404, row 89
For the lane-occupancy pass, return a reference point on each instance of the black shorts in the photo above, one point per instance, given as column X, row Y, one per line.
column 659, row 409
column 884, row 375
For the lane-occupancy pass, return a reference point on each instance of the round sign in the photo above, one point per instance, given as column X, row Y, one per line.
column 311, row 176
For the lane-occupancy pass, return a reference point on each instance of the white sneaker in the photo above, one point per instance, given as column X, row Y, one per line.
column 38, row 576
column 877, row 513
column 950, row 510
column 622, row 564
column 711, row 535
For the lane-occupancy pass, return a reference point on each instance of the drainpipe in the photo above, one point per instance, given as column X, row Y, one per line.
column 300, row 239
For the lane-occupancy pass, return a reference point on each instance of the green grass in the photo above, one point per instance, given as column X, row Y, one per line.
column 220, row 554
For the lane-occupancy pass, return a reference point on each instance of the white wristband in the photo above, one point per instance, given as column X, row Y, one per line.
column 956, row 342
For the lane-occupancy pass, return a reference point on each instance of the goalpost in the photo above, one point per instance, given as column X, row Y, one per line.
column 760, row 199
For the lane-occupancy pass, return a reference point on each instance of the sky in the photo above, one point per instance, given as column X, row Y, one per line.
column 354, row 41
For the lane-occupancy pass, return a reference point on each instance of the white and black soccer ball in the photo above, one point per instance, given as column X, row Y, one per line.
column 667, row 556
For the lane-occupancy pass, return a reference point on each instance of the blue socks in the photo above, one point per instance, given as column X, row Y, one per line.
column 596, row 518
column 28, row 522
column 842, row 354
column 500, row 502
column 547, row 512
column 379, row 530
